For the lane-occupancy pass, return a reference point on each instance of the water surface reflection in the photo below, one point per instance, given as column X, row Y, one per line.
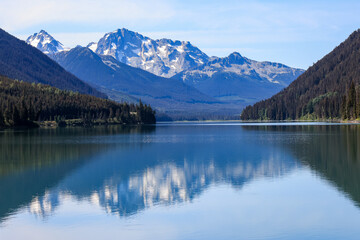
column 127, row 170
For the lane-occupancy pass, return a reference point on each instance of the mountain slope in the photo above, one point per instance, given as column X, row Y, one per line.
column 320, row 91
column 162, row 57
column 18, row 60
column 45, row 43
column 239, row 79
column 165, row 94
column 233, row 79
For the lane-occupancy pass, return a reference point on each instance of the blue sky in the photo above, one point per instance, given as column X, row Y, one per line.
column 296, row 33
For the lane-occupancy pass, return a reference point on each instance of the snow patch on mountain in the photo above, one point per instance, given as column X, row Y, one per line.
column 92, row 46
column 45, row 43
column 163, row 57
column 167, row 58
column 235, row 63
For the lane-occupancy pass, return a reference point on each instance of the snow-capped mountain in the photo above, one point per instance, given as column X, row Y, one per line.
column 117, row 79
column 237, row 78
column 234, row 80
column 235, row 63
column 163, row 57
column 45, row 43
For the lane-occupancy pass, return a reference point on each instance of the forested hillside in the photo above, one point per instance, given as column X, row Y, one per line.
column 326, row 90
column 23, row 103
column 19, row 60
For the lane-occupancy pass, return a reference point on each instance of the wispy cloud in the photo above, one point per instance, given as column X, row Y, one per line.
column 297, row 32
column 20, row 14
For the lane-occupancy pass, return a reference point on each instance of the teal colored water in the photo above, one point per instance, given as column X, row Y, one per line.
column 181, row 181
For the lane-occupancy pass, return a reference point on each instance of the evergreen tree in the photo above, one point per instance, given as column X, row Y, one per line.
column 327, row 89
column 22, row 103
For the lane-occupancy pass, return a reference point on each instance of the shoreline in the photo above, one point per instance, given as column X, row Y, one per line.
column 71, row 123
column 82, row 124
column 266, row 121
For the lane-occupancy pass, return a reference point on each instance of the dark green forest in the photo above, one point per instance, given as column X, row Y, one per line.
column 19, row 60
column 25, row 104
column 327, row 90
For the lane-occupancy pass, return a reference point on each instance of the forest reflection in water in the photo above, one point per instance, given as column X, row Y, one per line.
column 34, row 161
column 127, row 170
column 332, row 151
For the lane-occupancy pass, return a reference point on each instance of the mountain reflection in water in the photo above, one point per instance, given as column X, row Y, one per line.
column 128, row 170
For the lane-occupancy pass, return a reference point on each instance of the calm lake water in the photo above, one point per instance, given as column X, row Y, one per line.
column 181, row 181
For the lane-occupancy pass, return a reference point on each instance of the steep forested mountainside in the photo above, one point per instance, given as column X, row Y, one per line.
column 328, row 89
column 19, row 60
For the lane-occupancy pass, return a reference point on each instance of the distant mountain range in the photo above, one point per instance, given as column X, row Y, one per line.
column 162, row 57
column 20, row 61
column 230, row 83
column 124, row 81
column 328, row 89
column 239, row 79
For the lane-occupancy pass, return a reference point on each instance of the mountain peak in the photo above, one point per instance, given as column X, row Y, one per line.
column 45, row 42
column 235, row 54
column 43, row 32
column 235, row 58
column 123, row 32
column 164, row 57
column 15, row 63
column 239, row 77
